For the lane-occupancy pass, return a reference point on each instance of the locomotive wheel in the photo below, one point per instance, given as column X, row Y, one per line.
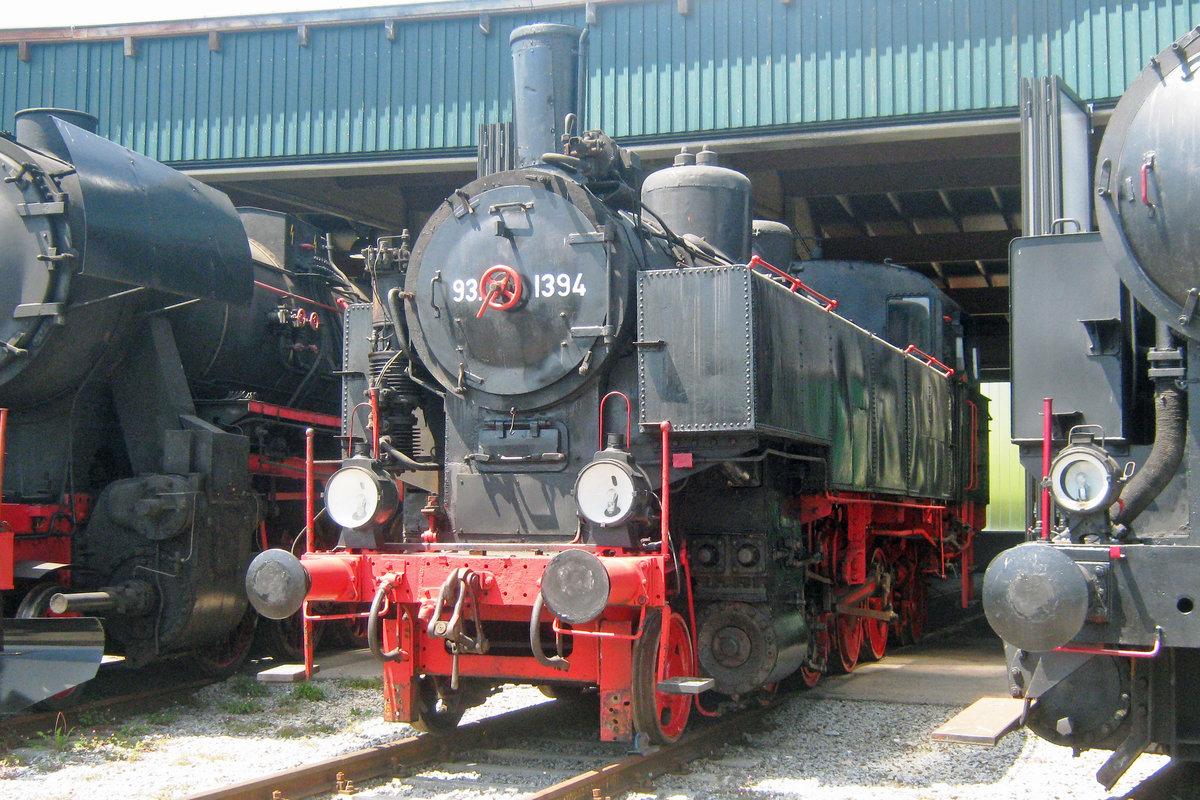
column 36, row 603
column 662, row 717
column 818, row 655
column 433, row 715
column 909, row 599
column 224, row 658
column 875, row 631
column 849, row 632
column 875, row 634
column 914, row 608
column 351, row 633
column 1095, row 699
column 284, row 638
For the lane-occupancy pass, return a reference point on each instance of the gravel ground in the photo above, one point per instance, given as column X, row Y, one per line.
column 813, row 749
column 855, row 750
column 224, row 734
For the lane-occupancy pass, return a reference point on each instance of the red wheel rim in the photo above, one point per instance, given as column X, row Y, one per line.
column 809, row 677
column 913, row 603
column 850, row 639
column 673, row 709
column 875, row 633
column 818, row 658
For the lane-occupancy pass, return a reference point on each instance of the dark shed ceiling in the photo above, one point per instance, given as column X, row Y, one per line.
column 946, row 206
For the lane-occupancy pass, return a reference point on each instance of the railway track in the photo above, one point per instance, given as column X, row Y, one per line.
column 28, row 724
column 499, row 756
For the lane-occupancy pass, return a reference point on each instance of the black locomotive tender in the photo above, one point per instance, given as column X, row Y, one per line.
column 629, row 390
column 1099, row 615
column 158, row 369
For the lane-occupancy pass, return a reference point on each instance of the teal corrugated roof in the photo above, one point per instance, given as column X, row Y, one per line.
column 726, row 67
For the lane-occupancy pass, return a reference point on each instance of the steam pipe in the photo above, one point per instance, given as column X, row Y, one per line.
column 581, row 77
column 1170, row 421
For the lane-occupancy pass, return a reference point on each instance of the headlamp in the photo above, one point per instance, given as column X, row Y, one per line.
column 607, row 493
column 1084, row 479
column 358, row 495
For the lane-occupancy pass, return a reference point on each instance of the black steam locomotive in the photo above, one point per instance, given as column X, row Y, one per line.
column 1099, row 613
column 664, row 463
column 158, row 369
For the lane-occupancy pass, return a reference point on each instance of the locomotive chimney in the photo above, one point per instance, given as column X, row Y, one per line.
column 545, row 84
column 35, row 128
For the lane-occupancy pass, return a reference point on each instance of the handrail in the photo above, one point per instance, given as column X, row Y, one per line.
column 794, row 283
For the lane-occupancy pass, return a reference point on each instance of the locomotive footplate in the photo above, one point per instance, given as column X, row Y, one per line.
column 464, row 622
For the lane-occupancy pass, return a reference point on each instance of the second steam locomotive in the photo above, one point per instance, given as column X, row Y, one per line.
column 160, row 357
column 668, row 461
column 1099, row 612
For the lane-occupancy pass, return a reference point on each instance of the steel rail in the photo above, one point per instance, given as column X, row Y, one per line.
column 635, row 770
column 362, row 765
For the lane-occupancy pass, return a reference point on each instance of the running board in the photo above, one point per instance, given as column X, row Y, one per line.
column 685, row 685
column 45, row 656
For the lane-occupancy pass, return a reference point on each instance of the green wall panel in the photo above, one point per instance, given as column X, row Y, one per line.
column 727, row 67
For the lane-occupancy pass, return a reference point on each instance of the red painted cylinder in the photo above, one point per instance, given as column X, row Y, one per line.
column 332, row 578
column 627, row 582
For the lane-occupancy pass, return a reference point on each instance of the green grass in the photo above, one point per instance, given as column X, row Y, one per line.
column 132, row 730
column 302, row 731
column 241, row 707
column 361, row 683
column 244, row 727
column 166, row 716
column 60, row 740
column 246, row 686
column 308, row 691
column 94, row 718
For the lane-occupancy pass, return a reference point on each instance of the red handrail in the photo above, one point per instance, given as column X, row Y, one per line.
column 794, row 283
column 628, row 417
column 1047, row 434
column 930, row 361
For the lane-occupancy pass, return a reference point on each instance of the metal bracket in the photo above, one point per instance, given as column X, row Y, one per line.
column 1189, row 306
column 465, row 208
column 600, row 236
column 591, row 331
column 42, row 209
column 26, row 310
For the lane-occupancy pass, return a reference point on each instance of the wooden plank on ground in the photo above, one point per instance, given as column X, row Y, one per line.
column 985, row 721
column 285, row 673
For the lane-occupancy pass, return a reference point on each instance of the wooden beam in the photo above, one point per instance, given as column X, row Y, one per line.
column 926, row 248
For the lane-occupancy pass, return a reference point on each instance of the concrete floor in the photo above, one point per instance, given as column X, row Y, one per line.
column 955, row 667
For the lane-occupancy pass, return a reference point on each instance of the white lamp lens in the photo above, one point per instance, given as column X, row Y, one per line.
column 605, row 493
column 351, row 497
column 1080, row 482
